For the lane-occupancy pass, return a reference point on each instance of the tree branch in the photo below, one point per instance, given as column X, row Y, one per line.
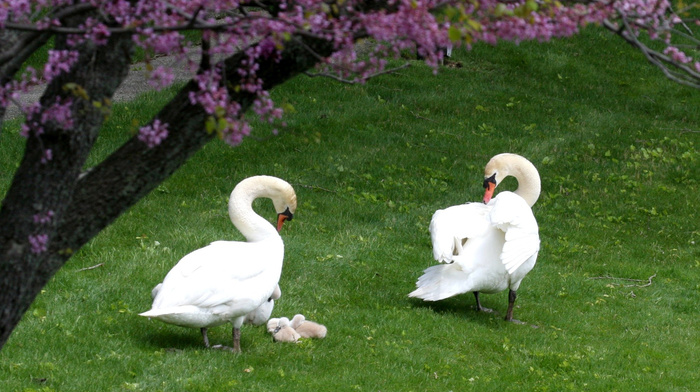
column 347, row 81
column 132, row 171
column 685, row 75
column 39, row 186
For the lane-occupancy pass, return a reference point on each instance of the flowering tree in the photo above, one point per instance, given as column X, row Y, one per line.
column 52, row 208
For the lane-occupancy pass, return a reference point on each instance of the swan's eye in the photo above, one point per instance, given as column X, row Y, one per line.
column 491, row 180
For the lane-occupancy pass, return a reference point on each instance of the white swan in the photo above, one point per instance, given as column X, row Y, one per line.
column 260, row 315
column 490, row 246
column 226, row 280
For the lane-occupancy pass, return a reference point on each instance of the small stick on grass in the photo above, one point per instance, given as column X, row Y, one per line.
column 629, row 280
column 315, row 187
column 688, row 131
column 423, row 118
column 89, row 268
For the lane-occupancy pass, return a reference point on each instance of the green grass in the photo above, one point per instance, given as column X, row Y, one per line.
column 615, row 144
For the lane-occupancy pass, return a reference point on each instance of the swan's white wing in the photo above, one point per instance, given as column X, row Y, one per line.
column 234, row 259
column 449, row 228
column 220, row 274
column 511, row 214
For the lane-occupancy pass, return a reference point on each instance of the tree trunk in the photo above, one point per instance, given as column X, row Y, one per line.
column 15, row 49
column 84, row 206
column 42, row 190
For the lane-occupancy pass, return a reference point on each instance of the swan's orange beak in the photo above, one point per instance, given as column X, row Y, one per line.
column 283, row 216
column 280, row 221
column 490, row 187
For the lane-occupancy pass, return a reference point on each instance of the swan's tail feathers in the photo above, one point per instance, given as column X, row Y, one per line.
column 156, row 313
column 156, row 290
column 165, row 314
column 440, row 282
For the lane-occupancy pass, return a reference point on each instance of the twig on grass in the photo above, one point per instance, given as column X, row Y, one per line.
column 315, row 187
column 89, row 268
column 688, row 131
column 421, row 117
column 629, row 280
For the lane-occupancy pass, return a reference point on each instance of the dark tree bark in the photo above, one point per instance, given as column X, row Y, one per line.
column 41, row 187
column 84, row 205
column 16, row 49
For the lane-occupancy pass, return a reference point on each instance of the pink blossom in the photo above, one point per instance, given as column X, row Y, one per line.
column 677, row 55
column 266, row 48
column 59, row 61
column 11, row 90
column 46, row 156
column 43, row 217
column 161, row 77
column 59, row 112
column 24, row 130
column 31, row 126
column 39, row 243
column 160, row 43
column 153, row 134
column 99, row 33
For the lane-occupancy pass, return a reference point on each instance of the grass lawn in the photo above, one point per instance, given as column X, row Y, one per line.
column 612, row 304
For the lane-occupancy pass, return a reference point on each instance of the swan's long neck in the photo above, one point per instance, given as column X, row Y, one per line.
column 247, row 221
column 504, row 165
column 529, row 184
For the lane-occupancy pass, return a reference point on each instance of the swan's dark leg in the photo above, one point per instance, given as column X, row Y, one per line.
column 236, row 340
column 480, row 308
column 511, row 302
column 478, row 303
column 206, row 338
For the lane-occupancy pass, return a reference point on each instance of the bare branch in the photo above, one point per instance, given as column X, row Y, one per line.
column 13, row 59
column 348, row 81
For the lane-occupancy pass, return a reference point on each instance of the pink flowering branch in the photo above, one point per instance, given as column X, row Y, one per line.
column 665, row 30
column 425, row 26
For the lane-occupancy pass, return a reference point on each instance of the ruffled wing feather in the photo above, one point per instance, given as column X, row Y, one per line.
column 511, row 214
column 449, row 228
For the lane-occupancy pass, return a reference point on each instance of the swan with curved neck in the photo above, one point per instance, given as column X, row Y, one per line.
column 226, row 280
column 489, row 246
column 506, row 164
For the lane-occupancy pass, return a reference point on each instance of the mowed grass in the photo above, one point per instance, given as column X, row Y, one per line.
column 615, row 144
